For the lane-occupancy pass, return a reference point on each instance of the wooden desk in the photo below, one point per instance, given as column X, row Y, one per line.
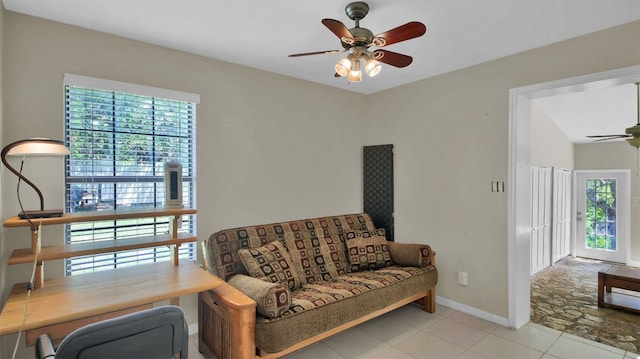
column 618, row 277
column 64, row 304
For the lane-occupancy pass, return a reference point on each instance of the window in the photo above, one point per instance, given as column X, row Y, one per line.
column 119, row 143
column 600, row 215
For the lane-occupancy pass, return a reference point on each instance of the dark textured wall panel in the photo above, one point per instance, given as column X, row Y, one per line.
column 378, row 186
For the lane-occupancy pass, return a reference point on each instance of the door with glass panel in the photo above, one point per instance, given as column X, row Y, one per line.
column 602, row 214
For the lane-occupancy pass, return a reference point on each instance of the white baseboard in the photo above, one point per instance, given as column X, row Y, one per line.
column 633, row 263
column 193, row 328
column 473, row 311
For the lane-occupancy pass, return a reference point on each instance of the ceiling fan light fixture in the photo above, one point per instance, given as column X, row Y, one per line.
column 372, row 66
column 344, row 66
column 355, row 75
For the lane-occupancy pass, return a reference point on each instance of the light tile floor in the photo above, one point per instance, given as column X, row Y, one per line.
column 411, row 333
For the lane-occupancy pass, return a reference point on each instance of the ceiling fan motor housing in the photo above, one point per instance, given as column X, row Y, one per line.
column 634, row 131
column 363, row 37
column 357, row 10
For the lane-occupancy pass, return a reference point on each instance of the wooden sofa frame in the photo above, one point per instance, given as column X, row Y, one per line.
column 227, row 323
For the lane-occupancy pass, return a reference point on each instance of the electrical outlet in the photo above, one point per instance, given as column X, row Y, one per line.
column 463, row 278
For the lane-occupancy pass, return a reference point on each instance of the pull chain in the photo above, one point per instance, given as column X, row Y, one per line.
column 637, row 161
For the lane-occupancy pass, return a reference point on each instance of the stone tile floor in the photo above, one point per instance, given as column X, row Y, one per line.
column 564, row 297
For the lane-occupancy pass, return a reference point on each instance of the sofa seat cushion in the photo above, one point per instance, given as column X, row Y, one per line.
column 271, row 262
column 314, row 295
column 319, row 307
column 367, row 250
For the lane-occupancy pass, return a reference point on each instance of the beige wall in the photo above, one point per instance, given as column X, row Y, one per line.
column 269, row 147
column 451, row 140
column 615, row 155
column 550, row 147
column 273, row 148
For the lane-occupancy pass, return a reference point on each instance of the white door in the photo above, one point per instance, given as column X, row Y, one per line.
column 541, row 198
column 602, row 214
column 561, row 224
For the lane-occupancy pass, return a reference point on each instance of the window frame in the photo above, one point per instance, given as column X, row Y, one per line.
column 123, row 229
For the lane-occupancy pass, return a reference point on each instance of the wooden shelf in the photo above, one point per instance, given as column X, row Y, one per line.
column 100, row 216
column 622, row 301
column 60, row 305
column 21, row 256
column 66, row 299
column 27, row 255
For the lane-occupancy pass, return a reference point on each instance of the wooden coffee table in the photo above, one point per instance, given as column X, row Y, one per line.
column 618, row 277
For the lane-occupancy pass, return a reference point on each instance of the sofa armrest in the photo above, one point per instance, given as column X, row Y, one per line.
column 272, row 299
column 411, row 254
column 226, row 323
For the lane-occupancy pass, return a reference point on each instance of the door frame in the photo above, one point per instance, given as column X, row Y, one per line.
column 625, row 205
column 518, row 202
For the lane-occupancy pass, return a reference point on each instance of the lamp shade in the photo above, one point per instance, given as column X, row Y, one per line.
column 373, row 68
column 355, row 75
column 37, row 147
column 344, row 66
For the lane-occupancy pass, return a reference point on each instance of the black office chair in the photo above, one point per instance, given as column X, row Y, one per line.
column 155, row 333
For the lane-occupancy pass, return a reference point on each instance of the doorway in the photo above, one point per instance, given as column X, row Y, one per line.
column 602, row 214
column 519, row 201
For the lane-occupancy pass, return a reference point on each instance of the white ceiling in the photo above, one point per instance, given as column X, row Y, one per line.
column 260, row 33
column 600, row 111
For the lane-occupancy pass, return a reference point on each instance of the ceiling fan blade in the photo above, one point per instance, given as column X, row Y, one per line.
column 404, row 32
column 601, row 138
column 393, row 58
column 318, row 53
column 338, row 29
column 609, row 139
column 612, row 136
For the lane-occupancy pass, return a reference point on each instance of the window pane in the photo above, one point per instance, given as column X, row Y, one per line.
column 600, row 221
column 119, row 144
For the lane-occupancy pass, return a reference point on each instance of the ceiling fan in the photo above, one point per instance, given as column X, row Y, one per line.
column 358, row 42
column 632, row 134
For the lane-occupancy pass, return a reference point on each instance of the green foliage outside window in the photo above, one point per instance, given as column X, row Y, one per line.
column 600, row 217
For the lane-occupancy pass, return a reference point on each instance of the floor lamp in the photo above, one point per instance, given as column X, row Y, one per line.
column 34, row 147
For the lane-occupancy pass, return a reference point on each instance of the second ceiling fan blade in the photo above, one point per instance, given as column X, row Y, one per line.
column 338, row 29
column 404, row 32
column 601, row 138
column 393, row 58
column 612, row 136
column 318, row 53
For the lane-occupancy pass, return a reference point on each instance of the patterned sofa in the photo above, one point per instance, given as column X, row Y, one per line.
column 291, row 284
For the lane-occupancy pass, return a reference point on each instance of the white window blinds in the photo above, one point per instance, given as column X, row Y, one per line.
column 119, row 143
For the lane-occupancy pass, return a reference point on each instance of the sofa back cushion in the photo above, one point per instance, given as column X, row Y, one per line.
column 316, row 258
column 220, row 250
